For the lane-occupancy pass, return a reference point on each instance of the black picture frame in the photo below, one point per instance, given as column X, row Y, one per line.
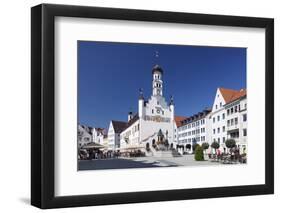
column 43, row 102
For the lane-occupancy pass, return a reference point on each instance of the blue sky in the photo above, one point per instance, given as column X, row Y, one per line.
column 110, row 75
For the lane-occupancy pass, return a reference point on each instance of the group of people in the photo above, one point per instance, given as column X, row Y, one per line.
column 233, row 155
column 97, row 154
column 133, row 153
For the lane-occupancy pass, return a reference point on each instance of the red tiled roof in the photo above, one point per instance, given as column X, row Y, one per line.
column 230, row 95
column 178, row 120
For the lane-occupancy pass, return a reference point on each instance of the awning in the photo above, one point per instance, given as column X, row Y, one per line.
column 93, row 145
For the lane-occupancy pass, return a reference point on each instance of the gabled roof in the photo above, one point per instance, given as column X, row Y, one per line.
column 102, row 131
column 230, row 95
column 179, row 119
column 88, row 129
column 132, row 121
column 98, row 129
column 119, row 126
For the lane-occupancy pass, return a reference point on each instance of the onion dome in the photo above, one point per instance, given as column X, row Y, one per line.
column 157, row 68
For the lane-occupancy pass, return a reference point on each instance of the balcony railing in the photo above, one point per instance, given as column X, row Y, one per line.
column 232, row 127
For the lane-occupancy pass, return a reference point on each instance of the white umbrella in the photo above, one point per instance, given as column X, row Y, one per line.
column 93, row 145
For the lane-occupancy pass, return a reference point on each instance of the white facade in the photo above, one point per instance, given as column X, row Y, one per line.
column 194, row 130
column 104, row 141
column 114, row 130
column 153, row 115
column 112, row 140
column 84, row 135
column 98, row 135
column 227, row 119
column 237, row 122
column 130, row 137
column 218, row 120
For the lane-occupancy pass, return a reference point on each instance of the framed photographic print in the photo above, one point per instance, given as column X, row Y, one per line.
column 141, row 106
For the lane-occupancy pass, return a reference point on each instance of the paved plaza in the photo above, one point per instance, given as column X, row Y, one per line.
column 143, row 162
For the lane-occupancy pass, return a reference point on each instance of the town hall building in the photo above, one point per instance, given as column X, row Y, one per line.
column 154, row 120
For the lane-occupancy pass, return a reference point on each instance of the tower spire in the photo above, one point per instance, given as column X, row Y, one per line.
column 156, row 56
column 130, row 114
column 141, row 93
column 171, row 100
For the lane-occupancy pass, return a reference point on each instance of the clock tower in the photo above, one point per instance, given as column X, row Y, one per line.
column 157, row 83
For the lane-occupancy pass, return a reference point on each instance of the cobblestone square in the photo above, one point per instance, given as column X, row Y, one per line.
column 144, row 162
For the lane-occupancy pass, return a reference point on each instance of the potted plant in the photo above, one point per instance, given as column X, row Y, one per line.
column 230, row 144
column 199, row 155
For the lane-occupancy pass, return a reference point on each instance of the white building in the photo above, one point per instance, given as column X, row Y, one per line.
column 227, row 119
column 229, row 109
column 153, row 115
column 218, row 116
column 114, row 130
column 237, row 120
column 84, row 135
column 104, row 141
column 178, row 124
column 99, row 134
column 194, row 130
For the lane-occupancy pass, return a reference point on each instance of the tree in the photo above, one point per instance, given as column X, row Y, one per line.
column 205, row 146
column 230, row 143
column 215, row 145
column 199, row 156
